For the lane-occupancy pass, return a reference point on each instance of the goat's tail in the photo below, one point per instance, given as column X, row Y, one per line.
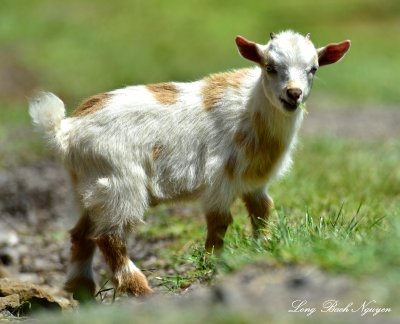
column 47, row 111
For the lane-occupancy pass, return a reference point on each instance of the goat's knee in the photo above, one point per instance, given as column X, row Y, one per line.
column 126, row 277
column 258, row 206
column 217, row 225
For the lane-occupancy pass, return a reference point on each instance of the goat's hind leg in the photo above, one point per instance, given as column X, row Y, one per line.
column 126, row 277
column 80, row 280
column 217, row 225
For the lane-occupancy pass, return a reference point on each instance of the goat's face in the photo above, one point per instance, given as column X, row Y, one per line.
column 289, row 62
column 289, row 65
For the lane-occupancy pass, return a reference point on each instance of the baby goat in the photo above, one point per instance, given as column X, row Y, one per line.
column 225, row 136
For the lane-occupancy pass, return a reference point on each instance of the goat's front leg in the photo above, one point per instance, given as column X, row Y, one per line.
column 217, row 225
column 258, row 205
column 126, row 277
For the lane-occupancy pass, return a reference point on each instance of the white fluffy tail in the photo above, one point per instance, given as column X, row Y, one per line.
column 47, row 111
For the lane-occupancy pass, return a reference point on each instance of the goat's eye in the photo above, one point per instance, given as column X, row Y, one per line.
column 313, row 70
column 270, row 68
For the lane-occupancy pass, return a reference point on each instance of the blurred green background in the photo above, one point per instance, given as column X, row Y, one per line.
column 78, row 48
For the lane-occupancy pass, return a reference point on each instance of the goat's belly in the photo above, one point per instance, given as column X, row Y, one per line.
column 155, row 199
column 175, row 181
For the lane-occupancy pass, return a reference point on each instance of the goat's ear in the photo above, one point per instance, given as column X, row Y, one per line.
column 249, row 50
column 332, row 53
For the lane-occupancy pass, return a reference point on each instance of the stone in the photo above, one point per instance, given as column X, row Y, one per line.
column 3, row 272
column 9, row 302
column 36, row 296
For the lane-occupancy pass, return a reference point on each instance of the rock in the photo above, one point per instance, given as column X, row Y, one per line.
column 8, row 252
column 28, row 277
column 34, row 296
column 6, row 315
column 8, row 237
column 3, row 272
column 9, row 302
column 8, row 256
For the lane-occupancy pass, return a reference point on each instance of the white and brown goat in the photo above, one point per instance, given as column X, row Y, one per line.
column 216, row 139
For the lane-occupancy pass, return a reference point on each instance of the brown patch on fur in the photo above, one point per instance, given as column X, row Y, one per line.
column 82, row 247
column 245, row 141
column 239, row 138
column 230, row 165
column 133, row 283
column 265, row 158
column 262, row 151
column 114, row 251
column 257, row 120
column 215, row 86
column 91, row 105
column 156, row 151
column 165, row 93
column 116, row 256
column 217, row 225
column 258, row 207
column 74, row 178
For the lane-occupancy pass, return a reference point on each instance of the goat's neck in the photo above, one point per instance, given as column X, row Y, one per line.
column 269, row 121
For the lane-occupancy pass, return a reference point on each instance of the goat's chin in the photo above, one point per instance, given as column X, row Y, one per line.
column 284, row 109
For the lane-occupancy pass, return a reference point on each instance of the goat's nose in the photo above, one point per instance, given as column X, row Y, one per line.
column 294, row 93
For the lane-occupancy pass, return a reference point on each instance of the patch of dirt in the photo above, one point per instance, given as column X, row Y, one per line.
column 36, row 210
column 359, row 124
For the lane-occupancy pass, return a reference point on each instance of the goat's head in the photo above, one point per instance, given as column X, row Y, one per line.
column 289, row 62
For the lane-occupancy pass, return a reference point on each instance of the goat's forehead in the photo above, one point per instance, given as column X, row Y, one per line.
column 291, row 49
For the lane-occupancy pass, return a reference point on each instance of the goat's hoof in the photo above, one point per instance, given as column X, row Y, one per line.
column 82, row 289
column 134, row 284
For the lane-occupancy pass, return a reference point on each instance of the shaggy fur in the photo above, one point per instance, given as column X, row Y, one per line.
column 225, row 136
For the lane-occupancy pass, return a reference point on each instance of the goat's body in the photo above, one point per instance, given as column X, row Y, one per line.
column 138, row 151
column 225, row 136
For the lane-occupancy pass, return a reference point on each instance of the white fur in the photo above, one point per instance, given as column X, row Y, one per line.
column 47, row 112
column 110, row 150
column 129, row 267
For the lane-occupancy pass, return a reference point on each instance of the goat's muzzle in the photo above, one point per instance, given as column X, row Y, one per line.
column 294, row 94
column 292, row 99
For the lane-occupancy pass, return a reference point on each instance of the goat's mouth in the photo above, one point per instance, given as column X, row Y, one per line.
column 290, row 106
